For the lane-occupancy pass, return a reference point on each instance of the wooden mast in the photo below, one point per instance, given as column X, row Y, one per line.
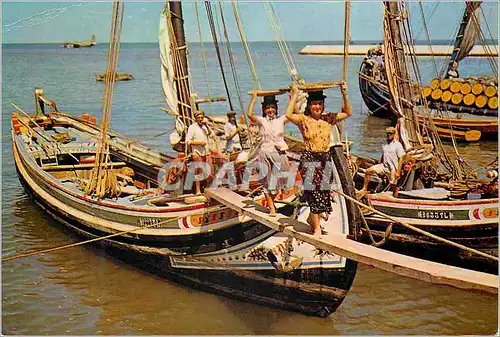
column 400, row 87
column 180, row 64
column 470, row 7
column 399, row 81
column 347, row 38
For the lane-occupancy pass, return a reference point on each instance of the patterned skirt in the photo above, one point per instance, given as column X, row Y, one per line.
column 317, row 194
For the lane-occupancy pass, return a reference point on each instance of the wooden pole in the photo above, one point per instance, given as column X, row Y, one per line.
column 181, row 73
column 338, row 244
column 347, row 38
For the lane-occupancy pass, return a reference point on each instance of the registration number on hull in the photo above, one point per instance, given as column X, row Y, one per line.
column 440, row 215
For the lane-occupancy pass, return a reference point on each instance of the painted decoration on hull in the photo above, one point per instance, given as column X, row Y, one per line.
column 253, row 254
column 482, row 213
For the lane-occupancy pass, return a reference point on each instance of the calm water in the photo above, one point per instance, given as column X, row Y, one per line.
column 83, row 291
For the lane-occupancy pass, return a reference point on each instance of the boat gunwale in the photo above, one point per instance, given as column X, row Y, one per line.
column 387, row 198
column 180, row 231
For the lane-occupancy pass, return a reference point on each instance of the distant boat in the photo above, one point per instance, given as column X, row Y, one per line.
column 77, row 44
column 118, row 77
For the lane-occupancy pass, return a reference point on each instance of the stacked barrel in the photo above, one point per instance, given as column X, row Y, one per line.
column 470, row 92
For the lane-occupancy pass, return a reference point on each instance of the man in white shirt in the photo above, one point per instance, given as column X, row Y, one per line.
column 389, row 163
column 231, row 132
column 197, row 138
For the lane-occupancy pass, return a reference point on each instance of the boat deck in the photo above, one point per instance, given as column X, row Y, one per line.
column 41, row 144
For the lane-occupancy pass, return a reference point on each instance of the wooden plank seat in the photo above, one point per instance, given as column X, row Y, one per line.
column 80, row 166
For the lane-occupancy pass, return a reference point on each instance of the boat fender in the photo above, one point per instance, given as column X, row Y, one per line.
column 87, row 159
column 472, row 135
column 175, row 138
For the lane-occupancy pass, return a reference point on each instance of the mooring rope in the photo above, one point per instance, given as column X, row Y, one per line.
column 54, row 249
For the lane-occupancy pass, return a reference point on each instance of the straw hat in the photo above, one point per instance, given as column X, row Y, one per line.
column 391, row 130
column 198, row 113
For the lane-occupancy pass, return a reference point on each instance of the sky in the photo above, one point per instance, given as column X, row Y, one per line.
column 54, row 22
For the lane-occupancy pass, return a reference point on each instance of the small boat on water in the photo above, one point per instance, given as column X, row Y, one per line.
column 108, row 187
column 466, row 108
column 80, row 44
column 437, row 193
column 118, row 77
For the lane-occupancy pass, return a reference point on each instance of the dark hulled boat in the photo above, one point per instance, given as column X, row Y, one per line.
column 462, row 209
column 465, row 108
column 180, row 236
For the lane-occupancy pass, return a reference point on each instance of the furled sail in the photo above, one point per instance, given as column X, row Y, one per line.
column 167, row 68
column 471, row 31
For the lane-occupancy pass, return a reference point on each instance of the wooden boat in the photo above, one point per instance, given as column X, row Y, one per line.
column 456, row 121
column 183, row 237
column 456, row 106
column 204, row 244
column 462, row 209
column 118, row 77
column 80, row 44
column 473, row 223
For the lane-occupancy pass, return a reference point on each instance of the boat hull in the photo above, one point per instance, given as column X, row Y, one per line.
column 376, row 98
column 472, row 223
column 449, row 119
column 316, row 291
column 215, row 259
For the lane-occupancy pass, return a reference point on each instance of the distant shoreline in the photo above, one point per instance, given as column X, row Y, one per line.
column 333, row 42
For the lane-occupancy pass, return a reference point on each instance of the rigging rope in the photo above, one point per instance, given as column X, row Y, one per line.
column 231, row 60
column 486, row 46
column 203, row 56
column 248, row 54
column 347, row 38
column 183, row 93
column 447, row 58
column 428, row 123
column 488, row 28
column 426, row 28
column 217, row 49
column 102, row 180
column 27, row 22
column 283, row 46
column 432, row 10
